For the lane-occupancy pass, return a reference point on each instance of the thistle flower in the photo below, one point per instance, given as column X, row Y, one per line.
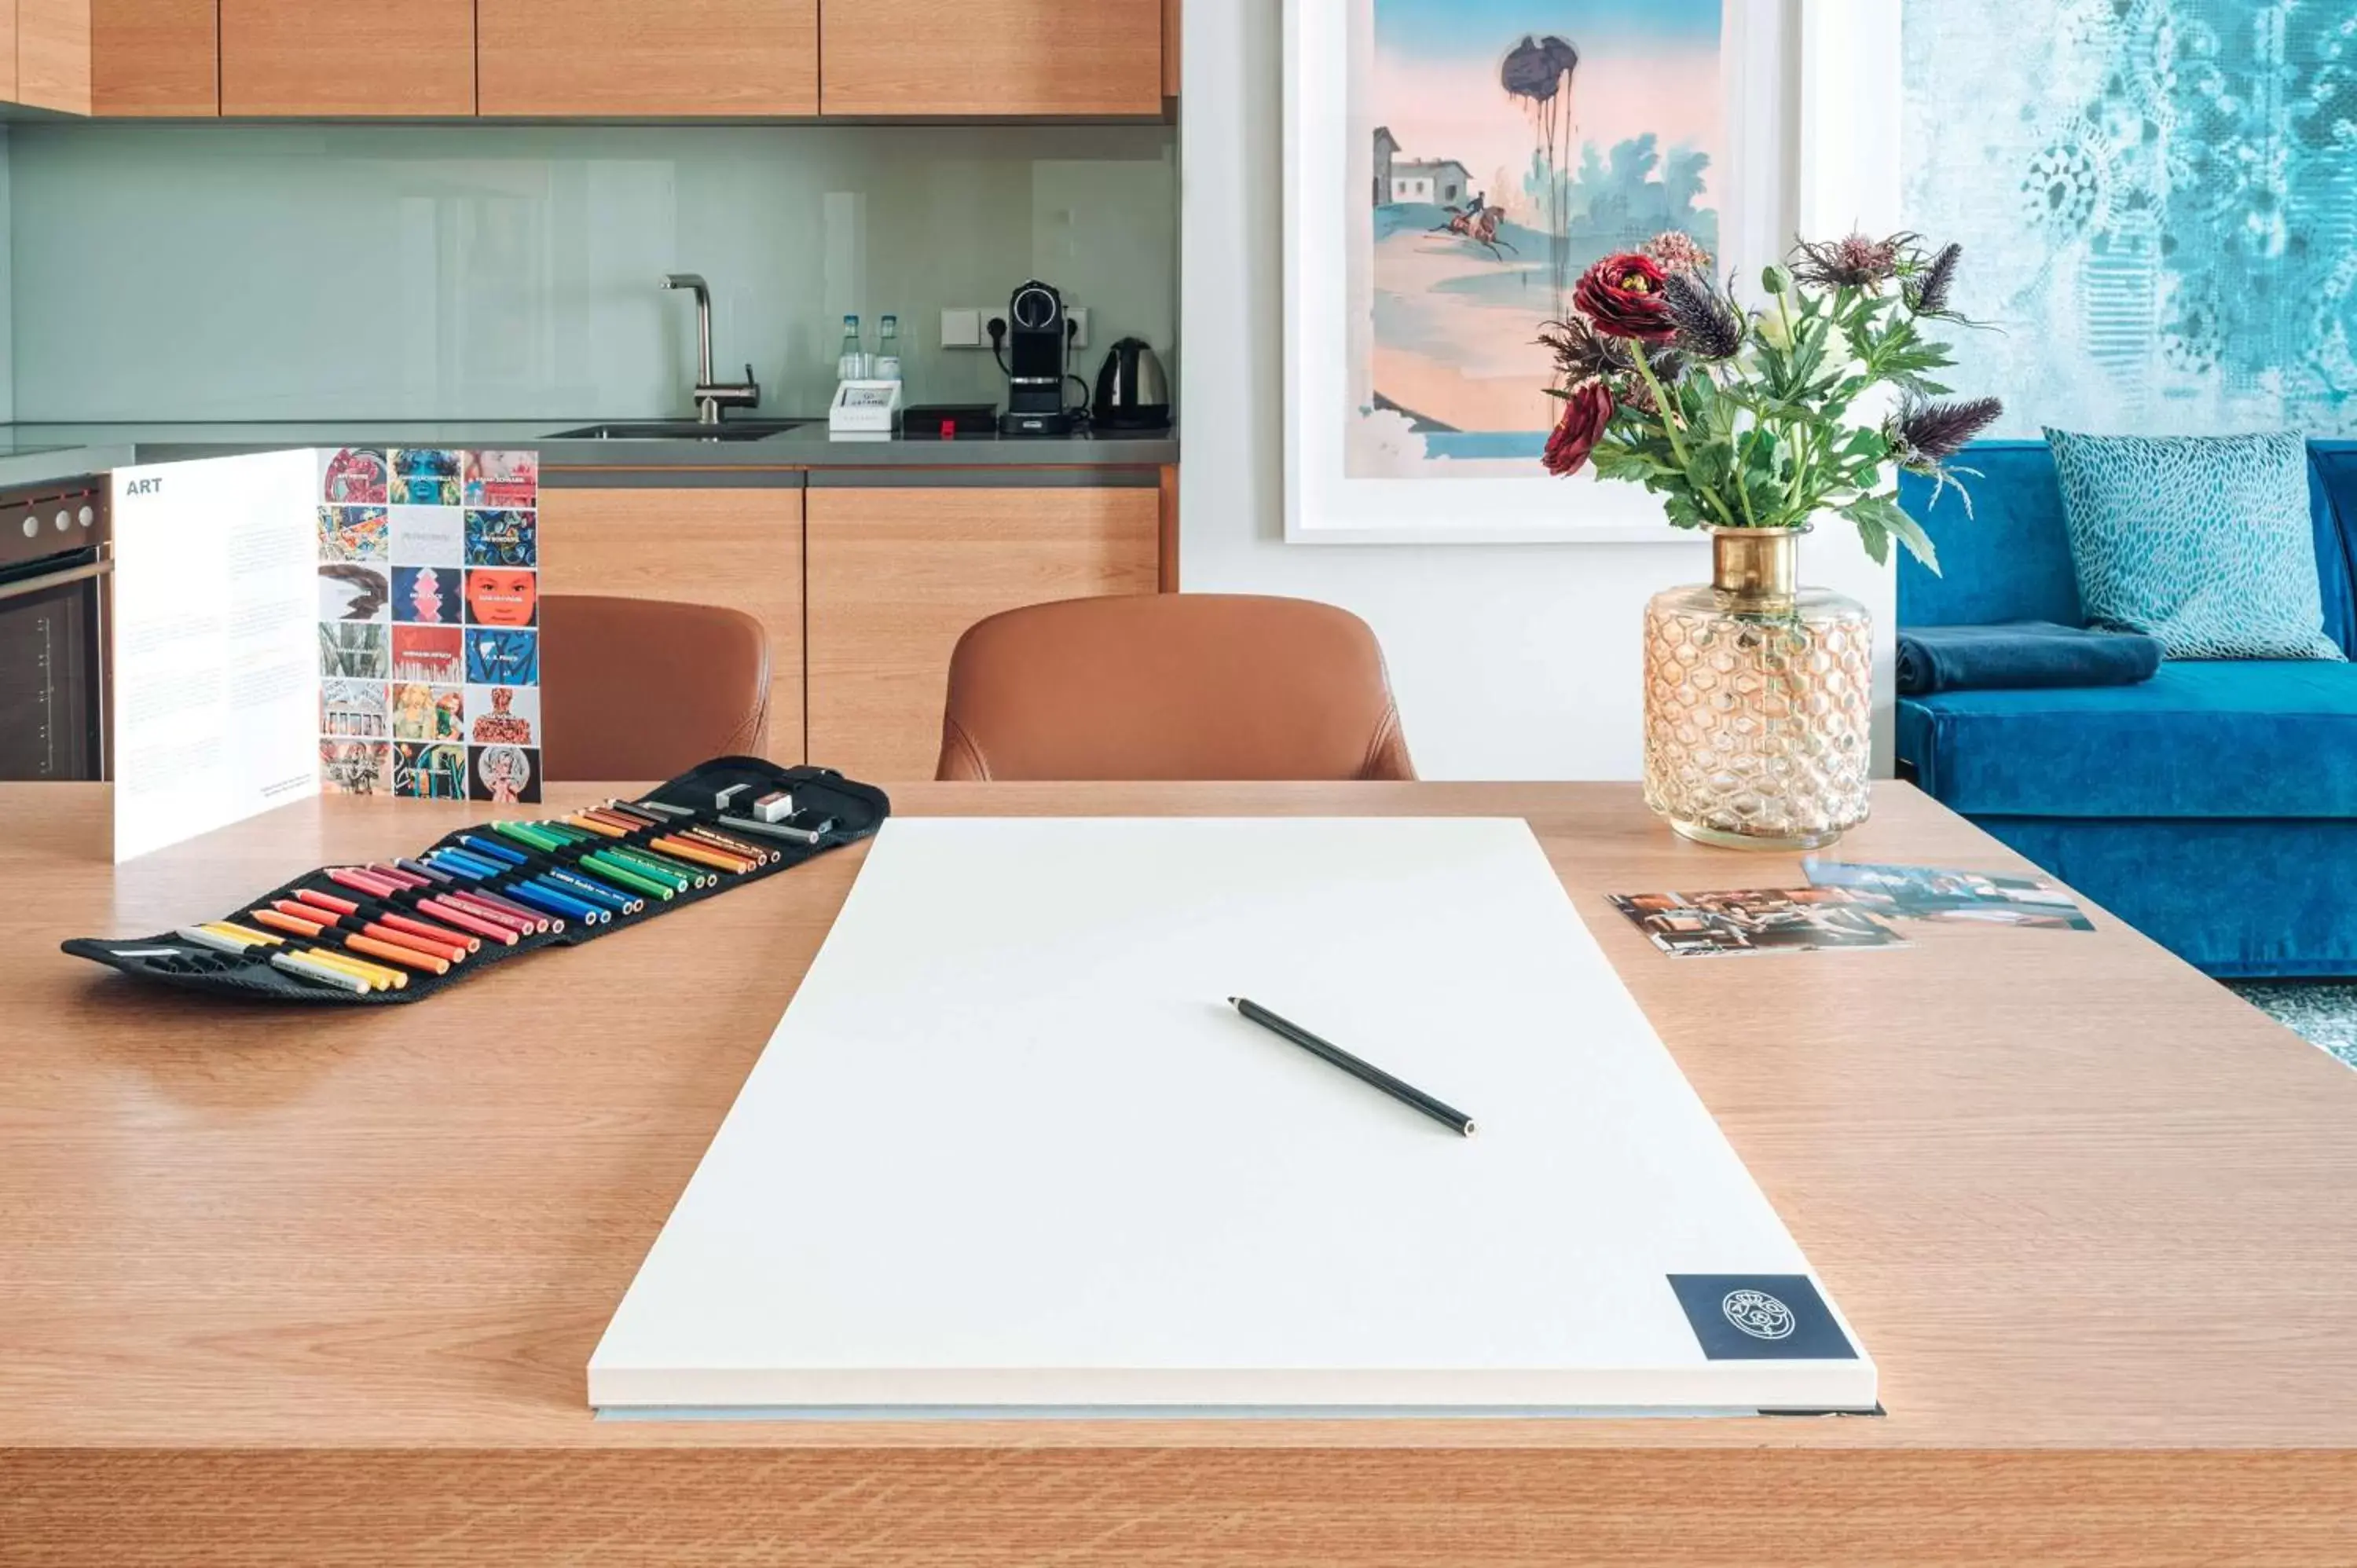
column 1709, row 327
column 1925, row 435
column 1677, row 253
column 1927, row 292
column 1855, row 261
column 1581, row 352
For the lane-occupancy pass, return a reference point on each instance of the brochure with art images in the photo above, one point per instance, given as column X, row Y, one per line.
column 358, row 621
column 1963, row 898
column 446, row 575
column 1755, row 920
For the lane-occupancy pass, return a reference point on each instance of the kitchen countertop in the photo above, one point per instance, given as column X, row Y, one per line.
column 34, row 454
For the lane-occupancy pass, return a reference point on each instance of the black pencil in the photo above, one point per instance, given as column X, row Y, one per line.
column 1365, row 1073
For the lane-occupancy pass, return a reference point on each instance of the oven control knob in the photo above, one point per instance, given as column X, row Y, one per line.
column 64, row 522
column 86, row 517
column 32, row 526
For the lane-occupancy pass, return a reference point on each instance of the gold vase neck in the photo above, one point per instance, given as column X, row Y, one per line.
column 1756, row 562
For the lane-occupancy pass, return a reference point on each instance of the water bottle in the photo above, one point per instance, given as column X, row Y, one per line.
column 887, row 350
column 851, row 365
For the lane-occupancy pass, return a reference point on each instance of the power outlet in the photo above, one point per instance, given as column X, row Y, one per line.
column 964, row 329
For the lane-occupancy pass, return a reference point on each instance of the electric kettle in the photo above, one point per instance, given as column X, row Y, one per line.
column 1131, row 392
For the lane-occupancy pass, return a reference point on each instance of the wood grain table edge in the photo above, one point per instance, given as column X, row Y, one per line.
column 1307, row 1506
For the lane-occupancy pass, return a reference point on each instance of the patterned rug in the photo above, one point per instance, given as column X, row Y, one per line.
column 2322, row 1014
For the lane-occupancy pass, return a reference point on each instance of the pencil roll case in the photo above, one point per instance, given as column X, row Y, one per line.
column 387, row 933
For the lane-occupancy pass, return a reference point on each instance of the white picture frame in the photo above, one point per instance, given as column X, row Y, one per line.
column 1326, row 161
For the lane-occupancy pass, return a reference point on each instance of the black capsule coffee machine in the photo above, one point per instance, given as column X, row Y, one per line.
column 1034, row 347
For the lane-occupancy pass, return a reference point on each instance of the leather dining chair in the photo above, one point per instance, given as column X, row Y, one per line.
column 647, row 688
column 1171, row 686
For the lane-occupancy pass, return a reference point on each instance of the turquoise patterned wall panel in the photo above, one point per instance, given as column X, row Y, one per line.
column 2158, row 201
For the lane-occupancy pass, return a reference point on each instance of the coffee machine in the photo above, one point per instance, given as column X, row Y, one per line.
column 1034, row 347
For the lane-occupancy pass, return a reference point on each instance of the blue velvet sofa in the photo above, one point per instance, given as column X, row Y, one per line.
column 2214, row 806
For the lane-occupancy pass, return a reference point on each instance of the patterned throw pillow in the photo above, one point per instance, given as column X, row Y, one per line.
column 2204, row 542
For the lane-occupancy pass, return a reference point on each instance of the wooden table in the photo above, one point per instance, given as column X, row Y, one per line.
column 320, row 1286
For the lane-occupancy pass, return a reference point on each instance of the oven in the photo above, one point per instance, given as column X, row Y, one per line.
column 55, row 554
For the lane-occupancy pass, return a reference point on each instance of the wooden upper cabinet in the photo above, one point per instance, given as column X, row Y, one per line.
column 348, row 57
column 627, row 56
column 991, row 56
column 52, row 38
column 155, row 58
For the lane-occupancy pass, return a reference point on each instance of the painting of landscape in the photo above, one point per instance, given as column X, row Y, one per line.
column 1509, row 145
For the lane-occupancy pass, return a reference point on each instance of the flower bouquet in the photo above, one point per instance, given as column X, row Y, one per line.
column 1753, row 424
column 1743, row 418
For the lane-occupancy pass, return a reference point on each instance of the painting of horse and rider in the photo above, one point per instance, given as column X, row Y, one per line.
column 1511, row 144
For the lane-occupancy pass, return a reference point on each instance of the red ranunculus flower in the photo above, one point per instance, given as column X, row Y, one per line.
column 1585, row 413
column 1622, row 294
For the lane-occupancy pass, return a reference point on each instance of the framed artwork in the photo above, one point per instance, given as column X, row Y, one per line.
column 1451, row 168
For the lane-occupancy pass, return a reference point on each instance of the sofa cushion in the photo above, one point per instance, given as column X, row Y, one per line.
column 2205, row 542
column 2201, row 738
column 2010, row 557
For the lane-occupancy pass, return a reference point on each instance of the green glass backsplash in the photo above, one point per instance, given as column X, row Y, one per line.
column 167, row 272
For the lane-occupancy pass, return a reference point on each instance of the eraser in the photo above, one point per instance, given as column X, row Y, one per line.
column 774, row 806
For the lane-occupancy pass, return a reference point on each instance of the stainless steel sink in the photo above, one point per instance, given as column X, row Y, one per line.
column 682, row 430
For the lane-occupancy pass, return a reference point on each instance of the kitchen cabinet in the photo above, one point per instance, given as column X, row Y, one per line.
column 624, row 56
column 991, row 56
column 52, row 39
column 741, row 548
column 347, row 57
column 155, row 58
column 897, row 575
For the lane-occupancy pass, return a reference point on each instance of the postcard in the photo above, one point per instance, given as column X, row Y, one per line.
column 503, row 716
column 348, row 591
column 429, row 772
column 502, row 539
column 353, row 651
column 425, row 595
column 1957, row 897
column 502, row 595
column 1755, row 920
column 429, row 655
column 426, row 476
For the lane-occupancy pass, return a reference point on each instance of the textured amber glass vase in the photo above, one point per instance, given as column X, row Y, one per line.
column 1759, row 700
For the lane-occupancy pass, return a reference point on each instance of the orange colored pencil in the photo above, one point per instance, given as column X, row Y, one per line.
column 704, row 854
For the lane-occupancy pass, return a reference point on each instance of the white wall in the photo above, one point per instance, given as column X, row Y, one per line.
column 1510, row 662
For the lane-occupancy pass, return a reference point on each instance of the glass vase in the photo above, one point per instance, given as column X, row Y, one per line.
column 1759, row 700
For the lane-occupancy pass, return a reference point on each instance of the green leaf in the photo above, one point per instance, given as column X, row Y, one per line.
column 1880, row 516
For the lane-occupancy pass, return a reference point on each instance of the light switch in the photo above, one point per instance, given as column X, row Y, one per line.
column 961, row 329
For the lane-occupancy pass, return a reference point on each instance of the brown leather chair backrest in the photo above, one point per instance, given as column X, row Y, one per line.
column 645, row 688
column 1172, row 687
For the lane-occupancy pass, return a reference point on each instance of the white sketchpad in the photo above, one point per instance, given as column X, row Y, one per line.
column 1010, row 1151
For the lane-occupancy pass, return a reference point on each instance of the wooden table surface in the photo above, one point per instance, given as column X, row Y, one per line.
column 320, row 1286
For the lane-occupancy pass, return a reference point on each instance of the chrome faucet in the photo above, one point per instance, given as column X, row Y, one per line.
column 712, row 396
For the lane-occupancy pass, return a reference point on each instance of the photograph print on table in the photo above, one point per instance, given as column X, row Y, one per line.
column 1959, row 897
column 1743, row 921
